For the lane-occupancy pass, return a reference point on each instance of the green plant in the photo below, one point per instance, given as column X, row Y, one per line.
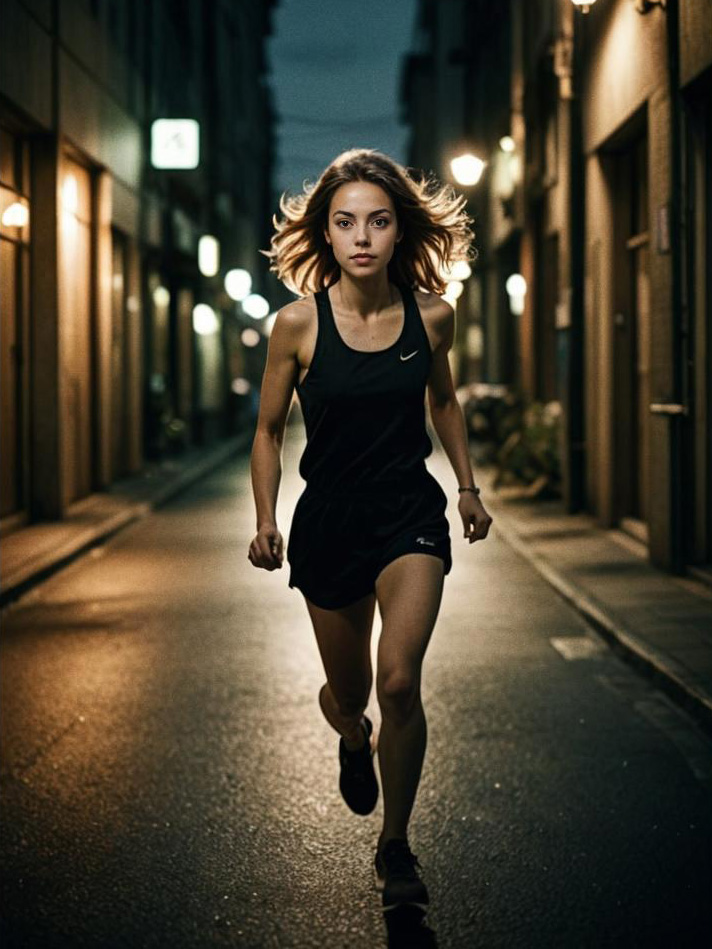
column 530, row 455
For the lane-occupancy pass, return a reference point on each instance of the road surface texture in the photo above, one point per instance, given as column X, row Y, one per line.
column 168, row 780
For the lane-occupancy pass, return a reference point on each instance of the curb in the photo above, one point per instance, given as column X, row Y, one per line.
column 28, row 577
column 668, row 674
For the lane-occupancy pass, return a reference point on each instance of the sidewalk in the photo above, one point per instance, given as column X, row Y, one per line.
column 659, row 622
column 31, row 554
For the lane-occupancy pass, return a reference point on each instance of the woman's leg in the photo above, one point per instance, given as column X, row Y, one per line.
column 409, row 591
column 344, row 640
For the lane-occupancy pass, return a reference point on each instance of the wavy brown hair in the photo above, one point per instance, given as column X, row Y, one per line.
column 435, row 227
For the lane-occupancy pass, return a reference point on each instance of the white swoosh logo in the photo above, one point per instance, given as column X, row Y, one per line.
column 409, row 356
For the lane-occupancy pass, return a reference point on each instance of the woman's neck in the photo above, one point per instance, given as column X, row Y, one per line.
column 364, row 297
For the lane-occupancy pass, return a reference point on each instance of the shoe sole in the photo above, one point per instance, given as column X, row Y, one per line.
column 380, row 885
column 421, row 907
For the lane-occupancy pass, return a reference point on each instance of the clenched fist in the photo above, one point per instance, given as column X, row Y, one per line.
column 267, row 548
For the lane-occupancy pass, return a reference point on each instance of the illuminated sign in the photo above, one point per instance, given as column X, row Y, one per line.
column 175, row 143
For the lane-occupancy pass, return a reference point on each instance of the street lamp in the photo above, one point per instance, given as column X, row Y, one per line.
column 516, row 287
column 467, row 169
column 15, row 215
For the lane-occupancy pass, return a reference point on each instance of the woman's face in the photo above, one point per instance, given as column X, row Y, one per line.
column 362, row 221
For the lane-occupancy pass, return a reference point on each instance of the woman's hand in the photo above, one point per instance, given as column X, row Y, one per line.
column 475, row 520
column 267, row 548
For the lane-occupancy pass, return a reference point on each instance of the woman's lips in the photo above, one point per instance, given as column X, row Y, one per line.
column 361, row 259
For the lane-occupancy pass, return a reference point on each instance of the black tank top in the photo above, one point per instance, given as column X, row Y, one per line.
column 364, row 412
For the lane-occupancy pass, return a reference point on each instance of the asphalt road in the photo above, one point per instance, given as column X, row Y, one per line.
column 167, row 778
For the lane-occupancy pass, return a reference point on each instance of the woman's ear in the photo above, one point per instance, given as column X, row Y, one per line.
column 326, row 237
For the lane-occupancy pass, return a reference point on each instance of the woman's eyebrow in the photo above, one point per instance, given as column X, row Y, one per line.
column 349, row 214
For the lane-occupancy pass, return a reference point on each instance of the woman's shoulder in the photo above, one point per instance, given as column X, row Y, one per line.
column 296, row 316
column 433, row 308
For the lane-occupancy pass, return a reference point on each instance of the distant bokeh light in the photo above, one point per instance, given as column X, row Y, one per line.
column 205, row 320
column 238, row 284
column 255, row 306
column 250, row 337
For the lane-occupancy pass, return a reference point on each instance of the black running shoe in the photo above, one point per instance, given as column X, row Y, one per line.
column 397, row 876
column 358, row 784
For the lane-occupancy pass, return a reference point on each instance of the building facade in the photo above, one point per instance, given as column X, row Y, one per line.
column 103, row 362
column 596, row 131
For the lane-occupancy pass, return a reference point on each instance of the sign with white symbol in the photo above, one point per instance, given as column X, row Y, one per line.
column 175, row 143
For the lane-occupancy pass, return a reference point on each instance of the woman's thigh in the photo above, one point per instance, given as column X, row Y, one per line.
column 344, row 640
column 409, row 592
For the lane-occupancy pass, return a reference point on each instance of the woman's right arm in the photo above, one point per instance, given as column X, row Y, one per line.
column 278, row 381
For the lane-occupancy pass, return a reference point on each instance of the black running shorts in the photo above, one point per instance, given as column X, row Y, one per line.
column 338, row 544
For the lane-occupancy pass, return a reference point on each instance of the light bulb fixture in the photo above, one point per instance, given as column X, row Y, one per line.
column 516, row 287
column 15, row 215
column 467, row 169
column 585, row 5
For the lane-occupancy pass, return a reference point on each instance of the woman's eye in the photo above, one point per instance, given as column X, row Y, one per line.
column 383, row 220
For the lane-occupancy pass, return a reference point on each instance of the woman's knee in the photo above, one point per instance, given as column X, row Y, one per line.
column 398, row 690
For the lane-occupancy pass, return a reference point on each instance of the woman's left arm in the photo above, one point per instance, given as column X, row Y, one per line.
column 449, row 423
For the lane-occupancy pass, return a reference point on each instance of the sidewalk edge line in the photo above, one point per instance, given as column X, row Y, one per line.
column 133, row 512
column 666, row 672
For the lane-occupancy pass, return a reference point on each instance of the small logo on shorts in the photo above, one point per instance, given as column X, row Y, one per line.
column 422, row 540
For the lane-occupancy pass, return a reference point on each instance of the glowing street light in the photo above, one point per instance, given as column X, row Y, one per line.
column 516, row 287
column 238, row 284
column 467, row 169
column 255, row 306
column 161, row 297
column 460, row 270
column 205, row 320
column 70, row 194
column 15, row 215
column 208, row 255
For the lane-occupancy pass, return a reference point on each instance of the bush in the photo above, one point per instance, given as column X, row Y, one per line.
column 530, row 455
column 492, row 413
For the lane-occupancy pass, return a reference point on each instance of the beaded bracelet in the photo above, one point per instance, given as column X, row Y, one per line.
column 474, row 490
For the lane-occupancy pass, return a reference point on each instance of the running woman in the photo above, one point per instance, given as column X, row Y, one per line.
column 365, row 248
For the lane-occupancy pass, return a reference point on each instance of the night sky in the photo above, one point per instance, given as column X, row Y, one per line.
column 334, row 70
